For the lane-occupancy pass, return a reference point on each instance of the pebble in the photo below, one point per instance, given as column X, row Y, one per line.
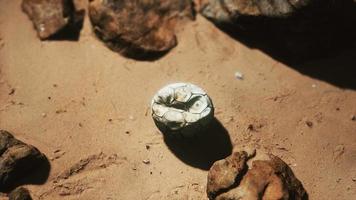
column 309, row 123
column 239, row 75
column 353, row 117
column 44, row 115
column 146, row 161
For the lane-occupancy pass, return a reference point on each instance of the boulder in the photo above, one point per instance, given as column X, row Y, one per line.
column 138, row 29
column 54, row 17
column 16, row 159
column 292, row 31
column 251, row 176
column 228, row 10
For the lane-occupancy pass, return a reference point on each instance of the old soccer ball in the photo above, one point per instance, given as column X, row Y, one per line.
column 182, row 109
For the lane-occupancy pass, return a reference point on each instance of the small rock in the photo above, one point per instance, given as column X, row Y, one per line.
column 309, row 124
column 12, row 91
column 239, row 75
column 253, row 176
column 16, row 159
column 146, row 161
column 313, row 86
column 52, row 17
column 148, row 146
column 353, row 117
column 44, row 115
column 20, row 193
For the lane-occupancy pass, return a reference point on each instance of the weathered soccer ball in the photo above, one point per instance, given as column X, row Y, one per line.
column 182, row 109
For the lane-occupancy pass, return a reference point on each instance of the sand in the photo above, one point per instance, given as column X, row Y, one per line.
column 79, row 101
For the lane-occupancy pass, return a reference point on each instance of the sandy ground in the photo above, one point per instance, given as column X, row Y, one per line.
column 80, row 101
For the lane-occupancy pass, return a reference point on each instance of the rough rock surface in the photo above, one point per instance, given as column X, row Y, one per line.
column 20, row 193
column 265, row 176
column 228, row 10
column 16, row 159
column 292, row 29
column 50, row 17
column 138, row 29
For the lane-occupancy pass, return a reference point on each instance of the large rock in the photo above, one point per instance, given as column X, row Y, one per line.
column 243, row 176
column 16, row 159
column 51, row 17
column 228, row 10
column 138, row 29
column 289, row 30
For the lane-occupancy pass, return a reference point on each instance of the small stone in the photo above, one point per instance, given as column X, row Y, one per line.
column 239, row 75
column 353, row 117
column 12, row 91
column 146, row 161
column 313, row 86
column 44, row 115
column 148, row 146
column 20, row 194
column 17, row 159
column 253, row 176
column 110, row 120
column 309, row 124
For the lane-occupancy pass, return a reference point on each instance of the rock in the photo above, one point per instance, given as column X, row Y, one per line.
column 16, row 159
column 138, row 29
column 290, row 30
column 223, row 173
column 228, row 11
column 54, row 17
column 253, row 177
column 20, row 194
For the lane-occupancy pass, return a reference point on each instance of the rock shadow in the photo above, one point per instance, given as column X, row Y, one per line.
column 318, row 41
column 72, row 31
column 203, row 150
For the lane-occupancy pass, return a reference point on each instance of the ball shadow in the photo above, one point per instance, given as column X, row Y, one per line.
column 203, row 150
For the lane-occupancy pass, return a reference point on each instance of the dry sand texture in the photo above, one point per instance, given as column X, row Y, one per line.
column 87, row 109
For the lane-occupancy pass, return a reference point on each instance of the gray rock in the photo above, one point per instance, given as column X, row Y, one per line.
column 230, row 10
